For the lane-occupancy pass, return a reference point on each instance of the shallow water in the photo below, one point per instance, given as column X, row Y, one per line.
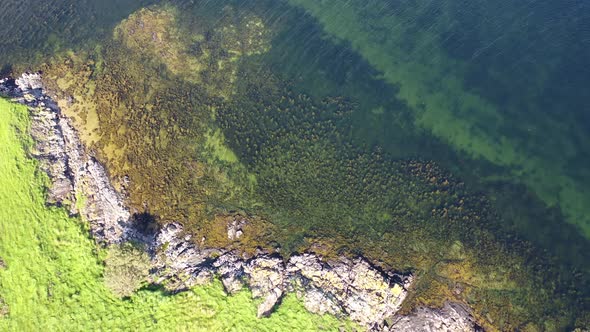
column 331, row 119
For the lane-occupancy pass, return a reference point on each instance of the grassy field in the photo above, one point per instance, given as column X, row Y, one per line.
column 52, row 275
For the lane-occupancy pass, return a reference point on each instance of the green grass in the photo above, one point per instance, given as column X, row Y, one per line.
column 53, row 279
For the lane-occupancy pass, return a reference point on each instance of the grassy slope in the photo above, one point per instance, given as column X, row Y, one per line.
column 53, row 275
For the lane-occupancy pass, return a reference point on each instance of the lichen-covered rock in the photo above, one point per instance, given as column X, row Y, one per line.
column 30, row 82
column 452, row 317
column 271, row 300
column 354, row 287
column 345, row 287
column 230, row 269
column 266, row 279
column 317, row 301
column 178, row 263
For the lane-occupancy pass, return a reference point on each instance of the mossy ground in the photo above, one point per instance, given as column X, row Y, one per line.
column 51, row 276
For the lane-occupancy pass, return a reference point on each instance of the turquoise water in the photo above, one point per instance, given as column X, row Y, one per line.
column 495, row 94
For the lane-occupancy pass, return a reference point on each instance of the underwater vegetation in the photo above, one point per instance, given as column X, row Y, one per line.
column 406, row 214
column 197, row 117
column 432, row 85
column 325, row 67
column 62, row 288
column 32, row 29
column 159, row 138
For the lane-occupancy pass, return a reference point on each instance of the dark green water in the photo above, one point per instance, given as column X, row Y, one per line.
column 496, row 94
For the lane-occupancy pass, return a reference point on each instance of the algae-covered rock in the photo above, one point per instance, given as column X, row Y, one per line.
column 191, row 50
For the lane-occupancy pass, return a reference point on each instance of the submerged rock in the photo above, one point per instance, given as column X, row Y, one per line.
column 234, row 228
column 343, row 287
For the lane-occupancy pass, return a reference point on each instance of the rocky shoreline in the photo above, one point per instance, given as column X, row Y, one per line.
column 78, row 181
column 344, row 287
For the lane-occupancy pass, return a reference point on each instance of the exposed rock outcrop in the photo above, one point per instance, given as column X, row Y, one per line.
column 451, row 317
column 76, row 177
column 342, row 287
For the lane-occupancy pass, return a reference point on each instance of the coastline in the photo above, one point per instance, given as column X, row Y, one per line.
column 343, row 287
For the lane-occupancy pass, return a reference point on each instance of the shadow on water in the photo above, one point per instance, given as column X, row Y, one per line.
column 6, row 70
